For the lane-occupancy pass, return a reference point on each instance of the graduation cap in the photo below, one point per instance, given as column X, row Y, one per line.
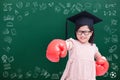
column 83, row 18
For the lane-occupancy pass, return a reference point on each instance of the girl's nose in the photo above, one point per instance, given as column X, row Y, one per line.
column 82, row 34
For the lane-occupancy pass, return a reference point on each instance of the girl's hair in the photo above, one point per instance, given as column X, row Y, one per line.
column 91, row 40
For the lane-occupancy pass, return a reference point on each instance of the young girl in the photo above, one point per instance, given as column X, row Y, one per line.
column 82, row 51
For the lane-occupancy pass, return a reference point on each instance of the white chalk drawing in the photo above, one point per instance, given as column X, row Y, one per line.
column 72, row 9
column 35, row 75
column 113, row 31
column 112, row 48
column 55, row 76
column 9, row 24
column 66, row 11
column 11, row 59
column 114, row 66
column 7, row 7
column 19, row 17
column 114, row 22
column 16, row 12
column 106, row 40
column 110, row 13
column 51, row 4
column 47, row 75
column 7, row 49
column 7, row 66
column 20, row 73
column 8, row 39
column 5, row 74
column 109, row 30
column 35, row 4
column 43, row 72
column 37, row 69
column 4, row 58
column 115, row 56
column 13, row 75
column 68, row 5
column 96, row 7
column 28, row 74
column 88, row 5
column 57, row 9
column 112, row 57
column 13, row 32
column 114, row 38
column 113, row 5
column 42, row 6
column 38, row 72
column 79, row 7
column 7, row 61
column 113, row 74
column 61, row 5
column 109, row 58
column 8, row 18
column 20, row 76
column 26, row 13
column 19, row 4
column 5, row 31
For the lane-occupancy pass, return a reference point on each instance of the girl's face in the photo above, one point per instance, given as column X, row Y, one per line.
column 83, row 34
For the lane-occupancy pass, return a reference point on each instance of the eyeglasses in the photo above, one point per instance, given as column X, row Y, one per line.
column 79, row 32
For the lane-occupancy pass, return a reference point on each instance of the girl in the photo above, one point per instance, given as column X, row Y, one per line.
column 82, row 51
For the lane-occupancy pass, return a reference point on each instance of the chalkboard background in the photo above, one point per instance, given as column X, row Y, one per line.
column 27, row 26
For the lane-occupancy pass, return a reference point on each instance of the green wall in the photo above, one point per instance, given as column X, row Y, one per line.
column 27, row 27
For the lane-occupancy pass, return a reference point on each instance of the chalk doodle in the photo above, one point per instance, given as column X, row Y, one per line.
column 8, row 18
column 113, row 74
column 114, row 66
column 7, row 49
column 5, row 74
column 13, row 32
column 19, row 4
column 55, row 76
column 9, row 24
column 13, row 75
column 8, row 39
column 7, row 7
column 114, row 38
column 112, row 48
column 5, row 31
column 114, row 22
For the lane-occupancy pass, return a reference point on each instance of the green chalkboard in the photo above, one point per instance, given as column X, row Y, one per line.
column 27, row 27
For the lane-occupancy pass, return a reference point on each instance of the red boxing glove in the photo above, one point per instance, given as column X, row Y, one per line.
column 56, row 49
column 102, row 66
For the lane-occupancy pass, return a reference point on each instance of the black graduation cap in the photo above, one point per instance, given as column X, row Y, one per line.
column 83, row 18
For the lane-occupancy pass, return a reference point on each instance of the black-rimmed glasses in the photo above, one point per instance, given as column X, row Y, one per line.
column 79, row 32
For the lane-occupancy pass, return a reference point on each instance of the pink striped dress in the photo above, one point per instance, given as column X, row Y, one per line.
column 81, row 63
